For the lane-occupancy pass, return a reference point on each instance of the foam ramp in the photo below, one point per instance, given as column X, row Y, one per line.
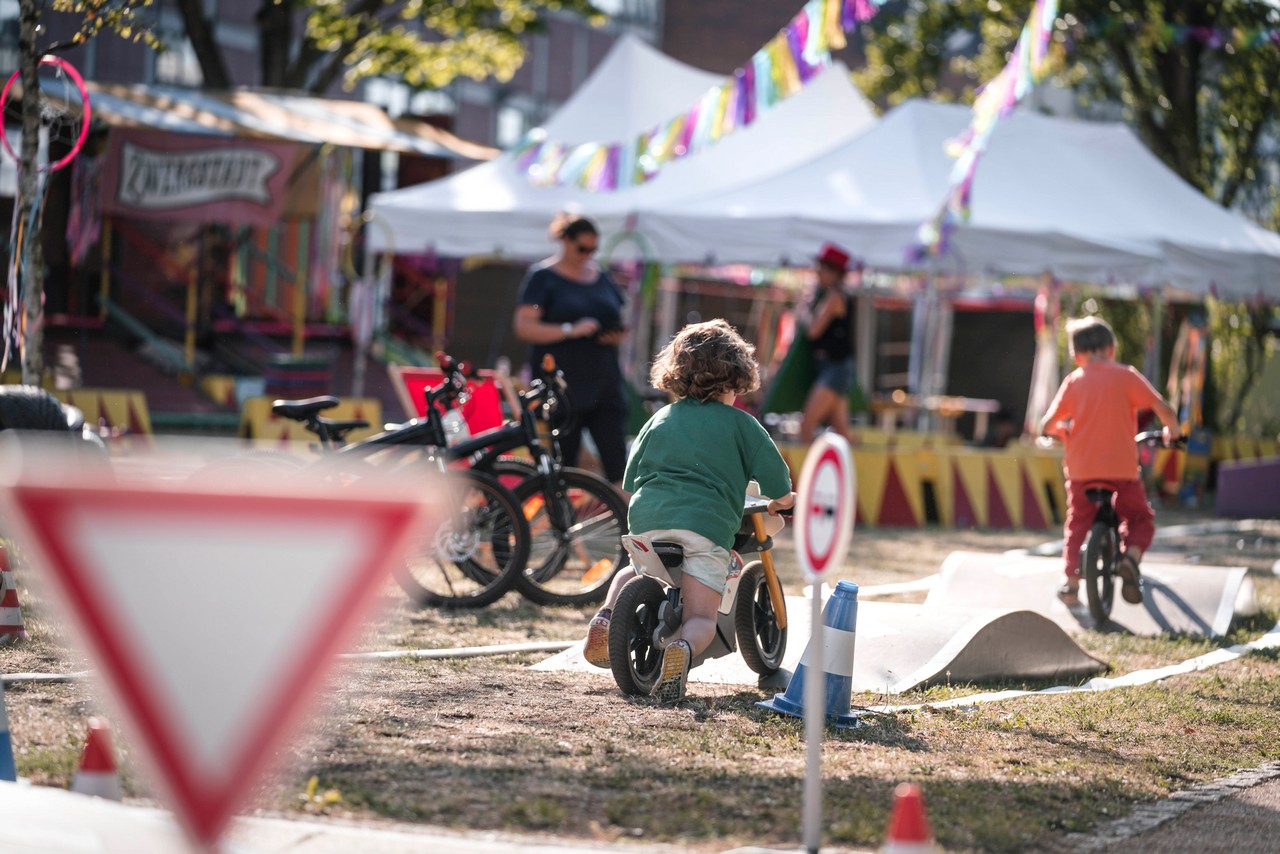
column 1183, row 599
column 900, row 646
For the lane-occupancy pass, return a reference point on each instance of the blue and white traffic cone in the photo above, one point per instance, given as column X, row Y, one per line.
column 840, row 621
column 8, row 770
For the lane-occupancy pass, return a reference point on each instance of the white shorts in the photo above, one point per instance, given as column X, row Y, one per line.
column 703, row 559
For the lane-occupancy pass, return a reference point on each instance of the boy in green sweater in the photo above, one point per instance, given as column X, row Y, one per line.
column 688, row 475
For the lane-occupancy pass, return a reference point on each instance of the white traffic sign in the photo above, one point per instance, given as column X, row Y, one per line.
column 824, row 506
column 212, row 613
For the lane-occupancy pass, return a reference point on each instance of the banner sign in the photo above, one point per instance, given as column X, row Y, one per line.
column 153, row 175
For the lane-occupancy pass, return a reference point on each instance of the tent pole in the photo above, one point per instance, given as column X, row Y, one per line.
column 866, row 342
column 104, row 275
column 189, row 340
column 1155, row 349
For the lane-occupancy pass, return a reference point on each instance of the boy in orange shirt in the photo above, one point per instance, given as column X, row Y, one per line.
column 1095, row 415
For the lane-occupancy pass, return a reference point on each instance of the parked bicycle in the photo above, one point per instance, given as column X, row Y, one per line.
column 1100, row 553
column 752, row 616
column 471, row 559
column 575, row 518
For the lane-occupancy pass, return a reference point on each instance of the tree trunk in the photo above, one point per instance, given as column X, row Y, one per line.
column 200, row 31
column 275, row 36
column 30, row 247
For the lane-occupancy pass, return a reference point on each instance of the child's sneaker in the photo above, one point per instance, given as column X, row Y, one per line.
column 675, row 672
column 596, row 649
column 1070, row 596
column 1131, row 589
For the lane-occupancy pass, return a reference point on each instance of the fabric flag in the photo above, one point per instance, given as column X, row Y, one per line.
column 1028, row 66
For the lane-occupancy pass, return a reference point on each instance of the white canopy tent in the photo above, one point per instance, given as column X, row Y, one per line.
column 494, row 209
column 1081, row 200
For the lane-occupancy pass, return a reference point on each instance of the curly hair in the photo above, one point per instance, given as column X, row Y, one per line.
column 705, row 360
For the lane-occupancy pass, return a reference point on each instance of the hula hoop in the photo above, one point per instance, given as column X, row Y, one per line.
column 68, row 69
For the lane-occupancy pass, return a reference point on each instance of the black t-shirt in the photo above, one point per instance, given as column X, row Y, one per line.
column 588, row 365
column 836, row 341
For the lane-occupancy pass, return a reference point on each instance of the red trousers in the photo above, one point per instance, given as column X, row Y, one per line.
column 1137, row 519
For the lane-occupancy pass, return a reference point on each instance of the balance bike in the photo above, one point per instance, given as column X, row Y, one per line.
column 752, row 615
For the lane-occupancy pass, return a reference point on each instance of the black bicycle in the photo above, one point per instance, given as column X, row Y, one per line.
column 478, row 552
column 575, row 518
column 1100, row 552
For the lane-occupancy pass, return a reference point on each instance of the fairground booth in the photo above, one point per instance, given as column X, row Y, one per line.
column 955, row 353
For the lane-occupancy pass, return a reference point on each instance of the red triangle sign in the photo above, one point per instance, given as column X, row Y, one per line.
column 213, row 614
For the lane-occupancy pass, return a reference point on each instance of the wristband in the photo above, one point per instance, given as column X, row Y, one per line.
column 566, row 328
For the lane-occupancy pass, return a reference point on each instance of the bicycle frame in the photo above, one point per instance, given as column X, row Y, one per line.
column 648, row 561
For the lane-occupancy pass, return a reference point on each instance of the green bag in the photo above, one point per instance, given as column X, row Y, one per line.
column 790, row 386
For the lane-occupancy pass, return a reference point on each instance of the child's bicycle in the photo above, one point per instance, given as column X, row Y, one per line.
column 1100, row 553
column 752, row 614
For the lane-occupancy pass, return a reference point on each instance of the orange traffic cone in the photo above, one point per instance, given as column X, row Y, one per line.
column 908, row 831
column 11, row 625
column 97, row 775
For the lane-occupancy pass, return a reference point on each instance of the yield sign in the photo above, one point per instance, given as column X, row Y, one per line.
column 212, row 614
column 824, row 506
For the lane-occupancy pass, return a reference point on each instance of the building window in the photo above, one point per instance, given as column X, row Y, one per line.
column 511, row 124
column 397, row 98
column 178, row 65
column 9, row 34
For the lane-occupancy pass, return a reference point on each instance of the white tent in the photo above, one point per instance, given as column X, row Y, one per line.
column 1078, row 199
column 494, row 209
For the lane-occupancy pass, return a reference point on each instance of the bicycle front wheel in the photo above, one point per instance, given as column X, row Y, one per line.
column 572, row 559
column 476, row 554
column 1098, row 558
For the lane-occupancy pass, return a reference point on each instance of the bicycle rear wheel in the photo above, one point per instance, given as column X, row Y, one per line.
column 573, row 563
column 476, row 554
column 1098, row 558
column 634, row 655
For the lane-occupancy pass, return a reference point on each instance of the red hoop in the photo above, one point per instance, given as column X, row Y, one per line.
column 68, row 69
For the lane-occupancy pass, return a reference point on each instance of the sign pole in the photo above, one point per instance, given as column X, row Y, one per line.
column 824, row 524
column 815, row 702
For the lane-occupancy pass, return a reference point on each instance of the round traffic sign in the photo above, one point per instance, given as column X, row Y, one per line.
column 824, row 506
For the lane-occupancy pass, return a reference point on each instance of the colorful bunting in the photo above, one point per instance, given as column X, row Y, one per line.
column 1027, row 67
column 778, row 70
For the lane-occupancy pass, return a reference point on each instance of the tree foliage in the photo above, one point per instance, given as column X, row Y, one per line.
column 1199, row 94
column 308, row 45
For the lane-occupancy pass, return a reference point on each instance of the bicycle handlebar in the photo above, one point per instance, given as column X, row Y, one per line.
column 1158, row 436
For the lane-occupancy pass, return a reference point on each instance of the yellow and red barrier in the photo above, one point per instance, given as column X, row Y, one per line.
column 1018, row 487
column 122, row 411
column 257, row 422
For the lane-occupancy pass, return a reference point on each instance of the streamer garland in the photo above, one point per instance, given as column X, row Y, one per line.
column 775, row 72
column 1027, row 67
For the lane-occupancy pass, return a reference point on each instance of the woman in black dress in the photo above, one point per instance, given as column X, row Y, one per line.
column 570, row 308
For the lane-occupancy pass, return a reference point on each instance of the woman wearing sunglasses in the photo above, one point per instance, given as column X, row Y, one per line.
column 570, row 308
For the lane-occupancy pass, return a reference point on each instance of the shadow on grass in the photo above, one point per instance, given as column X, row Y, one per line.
column 655, row 798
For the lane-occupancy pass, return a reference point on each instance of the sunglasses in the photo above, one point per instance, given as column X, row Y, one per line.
column 585, row 250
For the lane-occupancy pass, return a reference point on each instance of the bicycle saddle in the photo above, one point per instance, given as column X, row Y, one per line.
column 304, row 408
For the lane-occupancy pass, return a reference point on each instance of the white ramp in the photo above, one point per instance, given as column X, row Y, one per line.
column 900, row 646
column 1185, row 599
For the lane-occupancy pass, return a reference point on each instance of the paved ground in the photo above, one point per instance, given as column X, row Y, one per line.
column 1239, row 814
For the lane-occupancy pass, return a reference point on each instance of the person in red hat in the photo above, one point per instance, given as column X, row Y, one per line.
column 828, row 323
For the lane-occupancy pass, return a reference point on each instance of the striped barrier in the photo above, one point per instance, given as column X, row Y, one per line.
column 260, row 424
column 1015, row 487
column 1003, row 490
column 123, row 412
column 890, row 486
